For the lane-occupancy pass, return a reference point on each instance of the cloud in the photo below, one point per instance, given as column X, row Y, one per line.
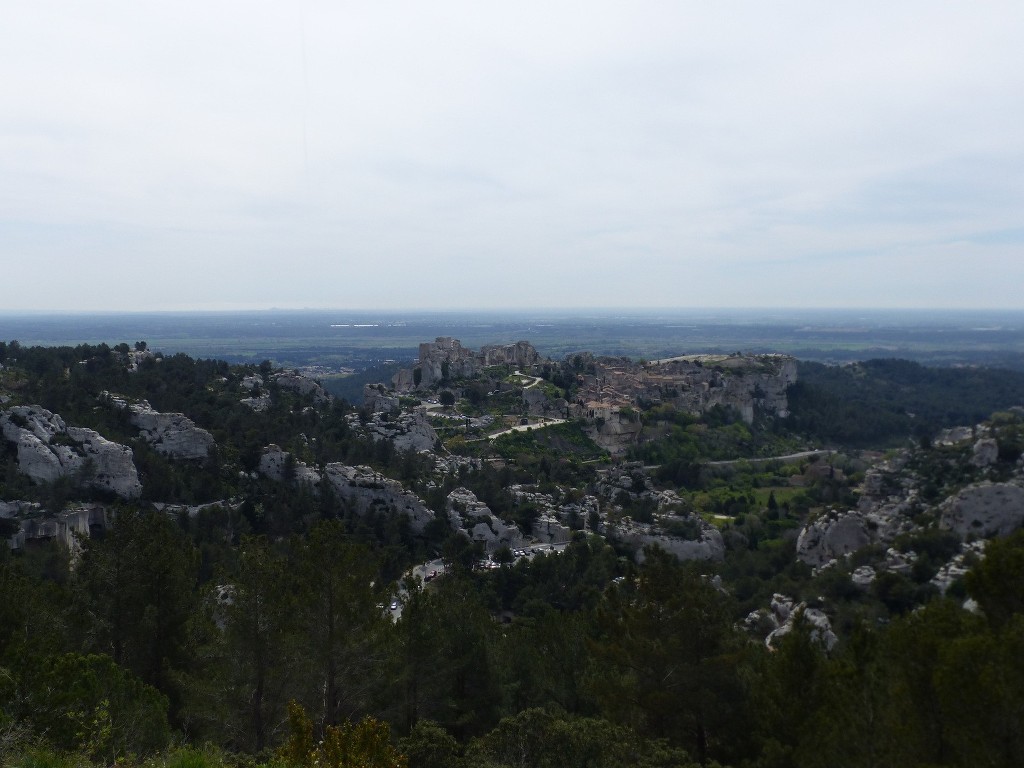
column 535, row 154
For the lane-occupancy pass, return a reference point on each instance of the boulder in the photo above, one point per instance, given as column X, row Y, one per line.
column 984, row 510
column 863, row 576
column 985, row 452
column 828, row 538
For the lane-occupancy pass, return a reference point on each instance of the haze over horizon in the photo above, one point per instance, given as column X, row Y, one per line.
column 238, row 156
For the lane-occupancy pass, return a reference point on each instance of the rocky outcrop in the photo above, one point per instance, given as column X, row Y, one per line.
column 367, row 490
column 16, row 511
column 549, row 529
column 984, row 510
column 362, row 488
column 521, row 354
column 259, row 404
column 615, row 433
column 172, row 434
column 538, row 403
column 958, row 566
column 408, row 431
column 279, row 465
column 985, row 452
column 785, row 613
column 555, row 523
column 445, row 359
column 48, row 449
column 742, row 382
column 376, row 399
column 303, row 385
column 467, row 513
column 67, row 526
column 706, row 545
column 863, row 576
column 831, row 537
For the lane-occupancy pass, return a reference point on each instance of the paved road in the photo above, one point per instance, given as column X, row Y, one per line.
column 524, row 427
column 787, row 457
column 536, row 379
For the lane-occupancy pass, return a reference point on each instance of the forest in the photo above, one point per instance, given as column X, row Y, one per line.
column 223, row 618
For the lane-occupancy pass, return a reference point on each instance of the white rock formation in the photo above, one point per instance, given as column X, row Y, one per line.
column 863, row 576
column 303, row 385
column 172, row 434
column 984, row 510
column 957, row 567
column 785, row 614
column 259, row 404
column 830, row 537
column 709, row 544
column 274, row 463
column 366, row 489
column 985, row 453
column 467, row 513
column 48, row 449
column 376, row 399
column 550, row 530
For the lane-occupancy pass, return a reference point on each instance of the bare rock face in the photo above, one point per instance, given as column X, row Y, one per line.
column 445, row 358
column 744, row 382
column 303, row 385
column 366, row 489
column 863, row 576
column 361, row 487
column 48, row 449
column 785, row 614
column 467, row 513
column 172, row 434
column 378, row 400
column 958, row 567
column 67, row 526
column 986, row 452
column 551, row 530
column 615, row 433
column 278, row 465
column 828, row 538
column 539, row 404
column 520, row 354
column 408, row 431
column 259, row 404
column 984, row 510
column 707, row 545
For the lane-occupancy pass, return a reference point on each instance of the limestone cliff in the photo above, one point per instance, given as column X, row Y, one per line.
column 468, row 514
column 172, row 434
column 48, row 449
column 445, row 358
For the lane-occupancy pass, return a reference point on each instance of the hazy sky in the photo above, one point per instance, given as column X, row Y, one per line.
column 224, row 154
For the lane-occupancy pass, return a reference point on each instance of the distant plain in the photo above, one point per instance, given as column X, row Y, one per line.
column 337, row 340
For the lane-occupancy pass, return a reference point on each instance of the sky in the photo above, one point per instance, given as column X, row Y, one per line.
column 465, row 155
